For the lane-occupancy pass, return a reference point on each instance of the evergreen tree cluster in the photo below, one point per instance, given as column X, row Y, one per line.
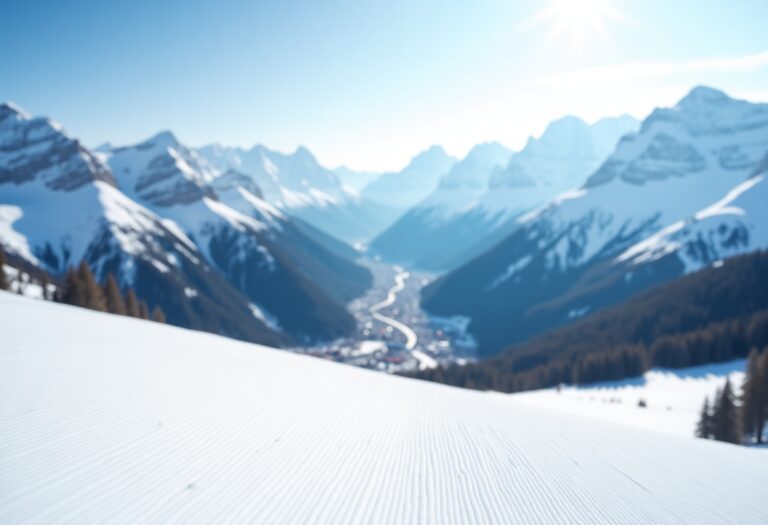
column 724, row 419
column 3, row 278
column 720, row 418
column 80, row 288
column 26, row 276
column 714, row 315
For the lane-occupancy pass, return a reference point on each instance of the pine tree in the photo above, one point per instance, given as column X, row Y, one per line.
column 763, row 373
column 114, row 300
column 754, row 397
column 131, row 303
column 158, row 315
column 726, row 419
column 704, row 426
column 45, row 284
column 73, row 292
column 3, row 278
column 143, row 310
column 93, row 294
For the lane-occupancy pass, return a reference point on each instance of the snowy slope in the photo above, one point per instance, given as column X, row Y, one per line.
column 176, row 426
column 735, row 224
column 673, row 397
column 673, row 197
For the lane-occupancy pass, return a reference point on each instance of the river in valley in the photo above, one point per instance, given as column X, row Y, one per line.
column 393, row 333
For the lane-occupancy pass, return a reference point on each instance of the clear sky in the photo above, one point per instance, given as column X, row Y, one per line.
column 368, row 83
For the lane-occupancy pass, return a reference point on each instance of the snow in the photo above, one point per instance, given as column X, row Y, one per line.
column 11, row 239
column 370, row 347
column 70, row 221
column 510, row 271
column 205, row 217
column 294, row 180
column 169, row 425
column 742, row 209
column 661, row 179
column 500, row 185
column 674, row 397
column 25, row 286
column 265, row 317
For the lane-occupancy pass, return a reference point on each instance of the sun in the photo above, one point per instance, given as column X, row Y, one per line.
column 578, row 19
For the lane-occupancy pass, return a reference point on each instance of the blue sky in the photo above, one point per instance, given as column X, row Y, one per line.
column 367, row 83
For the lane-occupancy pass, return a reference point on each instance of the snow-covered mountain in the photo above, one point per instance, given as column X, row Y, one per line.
column 684, row 191
column 290, row 278
column 59, row 204
column 150, row 214
column 129, row 421
column 300, row 186
column 405, row 188
column 475, row 204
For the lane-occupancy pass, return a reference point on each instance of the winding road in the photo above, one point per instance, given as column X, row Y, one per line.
column 410, row 336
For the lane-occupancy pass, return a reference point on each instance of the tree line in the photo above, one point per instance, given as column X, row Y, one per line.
column 714, row 315
column 80, row 288
column 733, row 420
column 3, row 278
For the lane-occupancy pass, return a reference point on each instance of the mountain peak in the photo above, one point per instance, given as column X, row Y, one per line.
column 9, row 108
column 563, row 128
column 429, row 156
column 435, row 149
column 566, row 122
column 302, row 152
column 703, row 95
column 165, row 138
column 488, row 150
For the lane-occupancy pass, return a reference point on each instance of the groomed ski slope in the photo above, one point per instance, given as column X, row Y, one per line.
column 108, row 419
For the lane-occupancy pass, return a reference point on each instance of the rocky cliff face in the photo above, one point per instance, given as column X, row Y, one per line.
column 36, row 149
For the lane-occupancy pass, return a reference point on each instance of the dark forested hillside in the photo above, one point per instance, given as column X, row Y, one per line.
column 714, row 315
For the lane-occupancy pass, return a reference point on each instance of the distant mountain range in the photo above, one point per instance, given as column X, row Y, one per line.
column 298, row 185
column 201, row 244
column 405, row 188
column 257, row 244
column 684, row 192
column 474, row 204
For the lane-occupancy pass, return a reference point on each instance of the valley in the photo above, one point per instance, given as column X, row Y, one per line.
column 393, row 333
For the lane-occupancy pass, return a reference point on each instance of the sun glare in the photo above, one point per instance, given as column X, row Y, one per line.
column 578, row 19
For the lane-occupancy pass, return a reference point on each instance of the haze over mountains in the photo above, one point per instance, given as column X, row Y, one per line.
column 683, row 192
column 474, row 203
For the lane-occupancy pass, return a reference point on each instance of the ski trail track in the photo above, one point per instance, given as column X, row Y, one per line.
column 134, row 422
